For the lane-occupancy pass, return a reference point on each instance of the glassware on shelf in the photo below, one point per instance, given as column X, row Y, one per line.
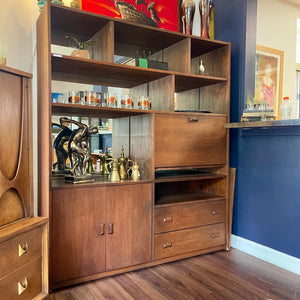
column 90, row 98
column 112, row 100
column 129, row 102
column 73, row 97
column 98, row 99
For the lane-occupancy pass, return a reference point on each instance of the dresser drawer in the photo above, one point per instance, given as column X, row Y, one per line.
column 17, row 251
column 184, row 241
column 188, row 215
column 25, row 283
column 189, row 140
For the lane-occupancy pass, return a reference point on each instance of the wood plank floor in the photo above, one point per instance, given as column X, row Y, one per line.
column 230, row 275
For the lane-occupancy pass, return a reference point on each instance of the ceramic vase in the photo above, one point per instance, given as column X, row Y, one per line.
column 188, row 11
column 204, row 15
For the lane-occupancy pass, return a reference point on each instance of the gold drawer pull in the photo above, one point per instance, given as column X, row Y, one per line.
column 23, row 250
column 215, row 235
column 215, row 212
column 167, row 219
column 167, row 245
column 22, row 287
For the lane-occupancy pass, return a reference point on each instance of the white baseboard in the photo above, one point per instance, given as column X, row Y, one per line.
column 267, row 254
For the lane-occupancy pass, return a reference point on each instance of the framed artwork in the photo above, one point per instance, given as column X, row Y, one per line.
column 268, row 77
column 157, row 13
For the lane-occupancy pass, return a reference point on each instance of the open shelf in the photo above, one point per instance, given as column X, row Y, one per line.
column 168, row 200
column 128, row 36
column 185, row 175
column 74, row 69
column 60, row 183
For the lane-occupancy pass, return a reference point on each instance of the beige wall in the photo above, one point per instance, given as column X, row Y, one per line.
column 277, row 28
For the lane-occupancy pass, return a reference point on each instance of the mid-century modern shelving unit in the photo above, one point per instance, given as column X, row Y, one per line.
column 180, row 207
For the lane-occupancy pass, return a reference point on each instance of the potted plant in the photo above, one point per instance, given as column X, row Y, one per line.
column 81, row 47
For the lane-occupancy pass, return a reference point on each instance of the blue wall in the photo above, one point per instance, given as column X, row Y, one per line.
column 267, row 195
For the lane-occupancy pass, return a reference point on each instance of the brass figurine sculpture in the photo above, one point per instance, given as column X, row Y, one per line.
column 79, row 148
column 58, row 144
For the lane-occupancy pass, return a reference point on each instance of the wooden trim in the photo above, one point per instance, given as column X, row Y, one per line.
column 133, row 268
column 15, row 71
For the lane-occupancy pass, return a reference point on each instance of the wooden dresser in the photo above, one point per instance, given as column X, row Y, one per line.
column 23, row 238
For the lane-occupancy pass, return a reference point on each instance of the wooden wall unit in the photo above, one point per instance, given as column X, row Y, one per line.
column 180, row 207
column 23, row 238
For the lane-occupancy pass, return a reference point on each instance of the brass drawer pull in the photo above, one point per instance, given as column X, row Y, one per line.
column 167, row 245
column 22, row 287
column 110, row 228
column 215, row 212
column 23, row 250
column 215, row 235
column 101, row 232
column 193, row 119
column 167, row 219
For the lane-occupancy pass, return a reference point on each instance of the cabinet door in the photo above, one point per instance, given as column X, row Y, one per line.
column 129, row 209
column 189, row 140
column 78, row 232
column 15, row 155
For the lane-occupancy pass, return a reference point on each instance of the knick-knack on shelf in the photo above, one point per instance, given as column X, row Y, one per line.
column 201, row 67
column 204, row 15
column 188, row 11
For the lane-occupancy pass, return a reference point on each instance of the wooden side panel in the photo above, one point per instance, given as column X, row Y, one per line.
column 184, row 241
column 188, row 100
column 189, row 140
column 141, row 144
column 130, row 211
column 103, row 49
column 161, row 93
column 44, row 109
column 178, row 56
column 78, row 246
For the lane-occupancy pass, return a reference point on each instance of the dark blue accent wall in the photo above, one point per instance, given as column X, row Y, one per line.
column 267, row 195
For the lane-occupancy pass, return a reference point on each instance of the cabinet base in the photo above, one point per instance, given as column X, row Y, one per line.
column 153, row 263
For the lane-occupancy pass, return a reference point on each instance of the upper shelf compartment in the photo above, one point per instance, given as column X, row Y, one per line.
column 128, row 37
column 73, row 69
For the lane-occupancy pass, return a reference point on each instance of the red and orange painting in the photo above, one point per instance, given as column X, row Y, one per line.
column 157, row 13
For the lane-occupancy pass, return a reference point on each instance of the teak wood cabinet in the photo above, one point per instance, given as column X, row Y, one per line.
column 180, row 207
column 23, row 238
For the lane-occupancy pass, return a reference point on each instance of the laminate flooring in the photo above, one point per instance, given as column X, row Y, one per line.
column 230, row 275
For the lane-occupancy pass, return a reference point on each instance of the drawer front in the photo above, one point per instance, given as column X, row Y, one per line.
column 25, row 283
column 189, row 140
column 184, row 241
column 20, row 250
column 188, row 215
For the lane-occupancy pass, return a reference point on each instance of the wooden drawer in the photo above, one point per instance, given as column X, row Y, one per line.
column 9, row 285
column 13, row 257
column 184, row 241
column 184, row 216
column 189, row 140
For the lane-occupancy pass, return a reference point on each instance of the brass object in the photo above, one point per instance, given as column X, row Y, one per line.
column 58, row 144
column 79, row 150
column 135, row 175
column 110, row 228
column 122, row 165
column 22, row 287
column 101, row 232
column 167, row 219
column 114, row 175
column 23, row 250
column 104, row 162
column 167, row 245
